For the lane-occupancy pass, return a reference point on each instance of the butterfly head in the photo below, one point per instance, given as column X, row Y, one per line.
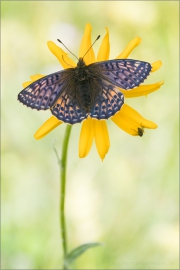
column 81, row 62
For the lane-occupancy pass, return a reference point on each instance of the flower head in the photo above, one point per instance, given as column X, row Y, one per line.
column 127, row 118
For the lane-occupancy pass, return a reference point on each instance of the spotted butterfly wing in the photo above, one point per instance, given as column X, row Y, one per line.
column 75, row 93
column 67, row 110
column 124, row 73
column 43, row 93
column 107, row 101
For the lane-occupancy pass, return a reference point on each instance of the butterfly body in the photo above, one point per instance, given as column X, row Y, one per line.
column 83, row 92
column 86, row 90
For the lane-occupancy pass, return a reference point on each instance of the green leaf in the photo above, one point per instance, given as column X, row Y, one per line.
column 71, row 256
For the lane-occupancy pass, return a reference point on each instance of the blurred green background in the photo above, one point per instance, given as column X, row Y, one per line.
column 129, row 201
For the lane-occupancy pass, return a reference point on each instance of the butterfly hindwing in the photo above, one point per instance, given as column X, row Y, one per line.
column 124, row 73
column 42, row 94
column 67, row 110
column 108, row 101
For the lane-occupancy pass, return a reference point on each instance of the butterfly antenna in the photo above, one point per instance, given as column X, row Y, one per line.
column 92, row 45
column 67, row 48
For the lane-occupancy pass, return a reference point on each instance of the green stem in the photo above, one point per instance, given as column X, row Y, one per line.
column 63, row 189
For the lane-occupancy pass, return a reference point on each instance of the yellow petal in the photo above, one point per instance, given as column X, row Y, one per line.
column 33, row 79
column 61, row 55
column 142, row 90
column 86, row 137
column 47, row 127
column 124, row 124
column 132, row 44
column 104, row 49
column 36, row 77
column 85, row 45
column 156, row 65
column 130, row 120
column 133, row 116
column 26, row 84
column 101, row 137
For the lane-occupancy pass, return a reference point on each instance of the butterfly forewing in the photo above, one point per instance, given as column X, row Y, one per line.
column 124, row 73
column 43, row 93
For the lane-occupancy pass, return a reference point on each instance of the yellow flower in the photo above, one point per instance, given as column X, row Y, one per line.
column 127, row 118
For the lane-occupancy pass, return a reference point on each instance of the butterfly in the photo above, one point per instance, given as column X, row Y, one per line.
column 86, row 90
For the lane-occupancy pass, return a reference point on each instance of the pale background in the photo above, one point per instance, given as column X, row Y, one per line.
column 129, row 201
